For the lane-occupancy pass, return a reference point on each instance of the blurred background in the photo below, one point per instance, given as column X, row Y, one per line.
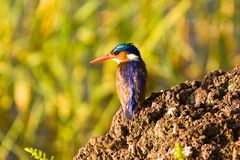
column 52, row 99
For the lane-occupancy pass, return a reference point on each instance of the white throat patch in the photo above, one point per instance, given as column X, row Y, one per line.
column 116, row 60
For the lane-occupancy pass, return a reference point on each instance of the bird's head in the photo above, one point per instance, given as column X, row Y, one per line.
column 121, row 53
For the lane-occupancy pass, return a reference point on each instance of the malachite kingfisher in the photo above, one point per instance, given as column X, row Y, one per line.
column 131, row 76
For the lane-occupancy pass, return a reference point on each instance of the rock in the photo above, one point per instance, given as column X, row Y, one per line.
column 203, row 117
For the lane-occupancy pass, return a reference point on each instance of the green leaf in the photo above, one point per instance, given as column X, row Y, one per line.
column 37, row 154
column 179, row 152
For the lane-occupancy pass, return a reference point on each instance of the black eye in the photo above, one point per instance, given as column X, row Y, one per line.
column 115, row 52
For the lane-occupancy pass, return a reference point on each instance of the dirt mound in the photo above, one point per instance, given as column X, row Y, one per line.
column 203, row 117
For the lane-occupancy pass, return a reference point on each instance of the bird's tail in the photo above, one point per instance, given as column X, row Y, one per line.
column 131, row 107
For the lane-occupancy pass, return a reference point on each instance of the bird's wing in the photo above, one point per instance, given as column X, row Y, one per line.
column 140, row 78
column 125, row 92
column 131, row 84
column 127, row 95
column 132, row 100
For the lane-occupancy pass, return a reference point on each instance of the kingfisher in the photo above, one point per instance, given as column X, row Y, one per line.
column 131, row 76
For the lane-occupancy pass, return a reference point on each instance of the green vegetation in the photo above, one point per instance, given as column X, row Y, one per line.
column 37, row 154
column 179, row 152
column 53, row 99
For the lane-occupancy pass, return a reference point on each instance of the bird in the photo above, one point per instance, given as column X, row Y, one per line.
column 131, row 76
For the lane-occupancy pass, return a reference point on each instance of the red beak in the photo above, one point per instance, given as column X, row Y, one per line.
column 101, row 59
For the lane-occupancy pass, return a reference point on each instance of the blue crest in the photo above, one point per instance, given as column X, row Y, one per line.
column 126, row 47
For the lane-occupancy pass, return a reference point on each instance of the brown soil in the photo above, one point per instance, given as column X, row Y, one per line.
column 203, row 117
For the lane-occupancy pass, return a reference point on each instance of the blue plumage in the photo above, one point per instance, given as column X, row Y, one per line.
column 126, row 47
column 131, row 85
column 132, row 101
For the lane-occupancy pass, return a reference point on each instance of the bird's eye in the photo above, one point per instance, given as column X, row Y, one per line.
column 116, row 52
